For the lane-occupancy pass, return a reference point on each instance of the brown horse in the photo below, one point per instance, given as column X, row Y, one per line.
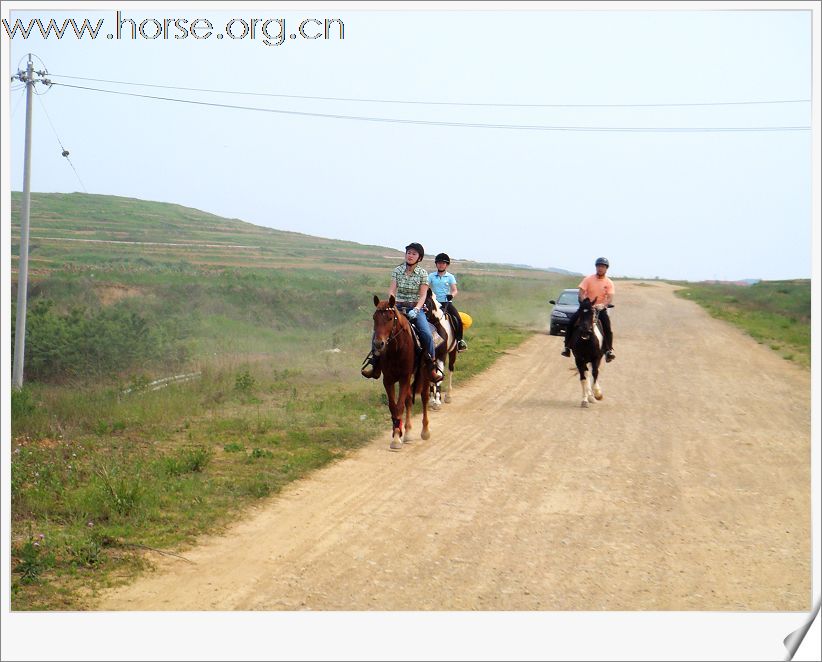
column 395, row 348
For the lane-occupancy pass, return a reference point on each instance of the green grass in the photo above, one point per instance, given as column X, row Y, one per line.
column 106, row 471
column 775, row 313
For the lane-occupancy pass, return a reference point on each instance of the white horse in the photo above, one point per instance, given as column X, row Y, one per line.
column 445, row 341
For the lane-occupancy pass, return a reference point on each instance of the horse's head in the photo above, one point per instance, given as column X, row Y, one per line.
column 433, row 306
column 587, row 318
column 387, row 323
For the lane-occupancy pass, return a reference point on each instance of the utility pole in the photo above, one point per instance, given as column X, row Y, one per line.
column 23, row 262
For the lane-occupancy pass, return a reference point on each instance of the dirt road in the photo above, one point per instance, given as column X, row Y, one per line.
column 686, row 488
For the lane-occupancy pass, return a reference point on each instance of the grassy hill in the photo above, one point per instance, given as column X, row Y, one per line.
column 208, row 285
column 270, row 326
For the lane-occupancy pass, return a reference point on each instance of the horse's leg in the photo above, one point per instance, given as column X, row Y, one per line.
column 583, row 380
column 405, row 397
column 595, row 373
column 425, row 434
column 452, row 357
column 436, row 391
column 396, row 416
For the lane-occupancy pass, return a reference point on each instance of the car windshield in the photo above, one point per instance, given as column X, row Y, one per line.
column 568, row 299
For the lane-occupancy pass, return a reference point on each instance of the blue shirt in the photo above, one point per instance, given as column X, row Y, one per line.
column 441, row 285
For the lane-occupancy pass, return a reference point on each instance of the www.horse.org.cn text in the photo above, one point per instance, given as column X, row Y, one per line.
column 269, row 31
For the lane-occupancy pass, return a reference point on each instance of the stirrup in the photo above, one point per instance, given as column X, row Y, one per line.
column 369, row 367
column 609, row 356
column 461, row 346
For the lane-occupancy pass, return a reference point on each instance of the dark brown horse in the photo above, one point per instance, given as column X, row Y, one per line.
column 395, row 348
column 586, row 345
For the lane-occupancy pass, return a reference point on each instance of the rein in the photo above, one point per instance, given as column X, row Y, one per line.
column 583, row 335
column 394, row 330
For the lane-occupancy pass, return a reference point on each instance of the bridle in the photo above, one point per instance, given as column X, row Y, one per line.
column 584, row 333
column 395, row 328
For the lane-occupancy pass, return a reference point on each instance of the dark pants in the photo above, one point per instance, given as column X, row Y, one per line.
column 449, row 307
column 607, row 341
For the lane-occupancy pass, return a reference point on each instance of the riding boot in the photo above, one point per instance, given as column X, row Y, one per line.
column 371, row 367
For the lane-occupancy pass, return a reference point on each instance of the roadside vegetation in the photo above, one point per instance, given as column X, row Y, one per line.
column 111, row 468
column 775, row 313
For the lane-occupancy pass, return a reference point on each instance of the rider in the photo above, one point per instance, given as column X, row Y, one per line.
column 442, row 284
column 596, row 286
column 409, row 286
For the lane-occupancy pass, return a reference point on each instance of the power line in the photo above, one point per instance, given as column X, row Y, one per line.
column 475, row 125
column 60, row 142
column 19, row 101
column 438, row 103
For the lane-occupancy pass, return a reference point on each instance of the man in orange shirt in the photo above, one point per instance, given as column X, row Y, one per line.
column 596, row 286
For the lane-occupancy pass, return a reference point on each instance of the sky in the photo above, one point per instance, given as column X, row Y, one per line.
column 671, row 204
column 472, row 146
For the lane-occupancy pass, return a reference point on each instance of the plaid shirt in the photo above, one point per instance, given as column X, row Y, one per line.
column 408, row 287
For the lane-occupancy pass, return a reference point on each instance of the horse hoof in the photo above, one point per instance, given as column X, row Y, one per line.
column 591, row 399
column 435, row 406
column 396, row 444
column 425, row 434
column 598, row 396
column 584, row 403
column 447, row 398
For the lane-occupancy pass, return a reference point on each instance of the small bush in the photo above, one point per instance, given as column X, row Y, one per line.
column 258, row 453
column 34, row 559
column 245, row 382
column 87, row 553
column 188, row 460
column 122, row 493
column 233, row 447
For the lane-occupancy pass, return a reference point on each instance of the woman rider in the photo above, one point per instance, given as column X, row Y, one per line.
column 409, row 286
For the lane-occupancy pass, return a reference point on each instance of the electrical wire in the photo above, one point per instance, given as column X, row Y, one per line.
column 60, row 142
column 475, row 125
column 19, row 101
column 437, row 103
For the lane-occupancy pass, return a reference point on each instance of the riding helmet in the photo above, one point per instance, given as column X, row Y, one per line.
column 417, row 247
column 602, row 260
column 442, row 257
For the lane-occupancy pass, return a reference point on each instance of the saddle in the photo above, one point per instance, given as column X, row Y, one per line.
column 417, row 344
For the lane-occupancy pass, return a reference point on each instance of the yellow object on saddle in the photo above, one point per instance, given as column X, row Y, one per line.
column 466, row 320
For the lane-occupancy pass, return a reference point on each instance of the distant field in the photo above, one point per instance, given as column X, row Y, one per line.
column 775, row 313
column 103, row 467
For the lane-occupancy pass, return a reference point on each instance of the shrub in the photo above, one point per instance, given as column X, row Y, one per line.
column 33, row 559
column 84, row 343
column 187, row 460
column 245, row 382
